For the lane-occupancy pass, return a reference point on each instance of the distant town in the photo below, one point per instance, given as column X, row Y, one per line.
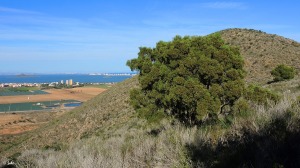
column 63, row 83
column 67, row 83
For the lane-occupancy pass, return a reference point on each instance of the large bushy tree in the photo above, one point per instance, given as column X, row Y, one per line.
column 191, row 78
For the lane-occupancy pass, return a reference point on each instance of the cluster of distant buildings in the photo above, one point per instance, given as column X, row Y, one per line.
column 15, row 85
column 67, row 83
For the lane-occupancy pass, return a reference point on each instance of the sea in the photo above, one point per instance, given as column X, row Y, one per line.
column 81, row 78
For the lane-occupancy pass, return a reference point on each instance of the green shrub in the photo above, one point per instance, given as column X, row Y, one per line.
column 241, row 107
column 260, row 95
column 283, row 72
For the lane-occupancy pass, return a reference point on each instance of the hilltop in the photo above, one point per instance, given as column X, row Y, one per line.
column 263, row 52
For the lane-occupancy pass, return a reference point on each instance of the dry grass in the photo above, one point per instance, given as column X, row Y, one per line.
column 263, row 115
column 105, row 131
column 101, row 115
column 132, row 148
column 263, row 52
column 134, row 144
column 21, row 122
column 122, row 140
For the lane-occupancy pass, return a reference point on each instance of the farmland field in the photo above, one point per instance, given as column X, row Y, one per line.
column 21, row 122
column 21, row 91
column 45, row 105
column 80, row 94
column 15, row 123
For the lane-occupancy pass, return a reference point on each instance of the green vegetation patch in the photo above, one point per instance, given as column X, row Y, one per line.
column 283, row 72
column 194, row 79
column 32, row 105
column 260, row 95
column 21, row 91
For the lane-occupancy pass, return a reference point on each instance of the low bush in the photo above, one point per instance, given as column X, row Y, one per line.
column 260, row 95
column 283, row 72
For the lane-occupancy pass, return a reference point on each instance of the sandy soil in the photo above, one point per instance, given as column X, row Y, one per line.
column 15, row 123
column 80, row 94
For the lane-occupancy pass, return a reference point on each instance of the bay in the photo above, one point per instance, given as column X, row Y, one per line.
column 81, row 78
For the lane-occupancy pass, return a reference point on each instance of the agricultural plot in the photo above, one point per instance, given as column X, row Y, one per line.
column 20, row 91
column 80, row 94
column 12, row 122
column 45, row 105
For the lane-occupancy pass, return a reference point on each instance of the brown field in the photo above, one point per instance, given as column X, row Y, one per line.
column 6, row 120
column 15, row 123
column 80, row 94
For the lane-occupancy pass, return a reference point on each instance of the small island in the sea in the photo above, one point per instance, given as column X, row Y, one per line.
column 22, row 75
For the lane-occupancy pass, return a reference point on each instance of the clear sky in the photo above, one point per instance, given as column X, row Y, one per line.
column 77, row 36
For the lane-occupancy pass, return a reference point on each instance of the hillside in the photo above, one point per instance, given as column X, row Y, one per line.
column 263, row 52
column 110, row 112
column 101, row 115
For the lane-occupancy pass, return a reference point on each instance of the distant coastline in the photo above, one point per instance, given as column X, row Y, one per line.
column 81, row 78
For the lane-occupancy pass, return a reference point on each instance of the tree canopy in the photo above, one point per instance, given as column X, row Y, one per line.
column 192, row 78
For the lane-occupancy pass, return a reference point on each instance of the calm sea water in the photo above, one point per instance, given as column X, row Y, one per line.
column 57, row 78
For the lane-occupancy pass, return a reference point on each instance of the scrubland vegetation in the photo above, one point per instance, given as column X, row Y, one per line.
column 283, row 72
column 259, row 127
column 264, row 136
column 263, row 52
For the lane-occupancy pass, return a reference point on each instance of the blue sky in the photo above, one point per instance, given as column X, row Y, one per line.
column 72, row 36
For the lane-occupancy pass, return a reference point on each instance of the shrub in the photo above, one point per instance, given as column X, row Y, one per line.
column 260, row 95
column 241, row 107
column 283, row 72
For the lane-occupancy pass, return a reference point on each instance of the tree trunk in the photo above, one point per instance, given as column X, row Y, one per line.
column 221, row 111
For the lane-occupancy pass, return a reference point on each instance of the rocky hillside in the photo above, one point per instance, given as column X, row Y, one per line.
column 263, row 52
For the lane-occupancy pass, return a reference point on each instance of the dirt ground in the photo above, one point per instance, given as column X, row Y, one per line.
column 15, row 123
column 80, row 94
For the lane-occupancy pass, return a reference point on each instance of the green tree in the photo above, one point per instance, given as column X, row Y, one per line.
column 191, row 78
column 283, row 72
